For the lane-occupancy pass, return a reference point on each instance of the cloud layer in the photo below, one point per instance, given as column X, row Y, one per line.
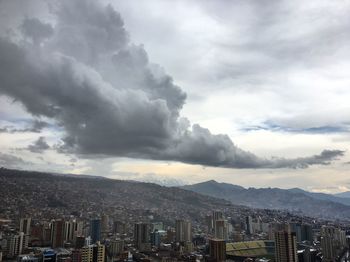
column 83, row 72
column 12, row 161
column 39, row 145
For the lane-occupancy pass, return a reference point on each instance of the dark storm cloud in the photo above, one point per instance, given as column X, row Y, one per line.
column 111, row 101
column 39, row 145
column 35, row 127
column 200, row 146
column 36, row 30
column 324, row 158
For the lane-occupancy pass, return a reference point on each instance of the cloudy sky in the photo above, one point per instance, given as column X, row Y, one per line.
column 254, row 93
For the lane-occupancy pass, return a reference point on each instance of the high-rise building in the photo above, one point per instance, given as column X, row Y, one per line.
column 57, row 233
column 93, row 253
column 17, row 244
column 286, row 246
column 274, row 227
column 306, row 233
column 340, row 236
column 119, row 227
column 209, row 223
column 142, row 236
column 333, row 241
column 328, row 248
column 79, row 242
column 76, row 255
column 256, row 225
column 115, row 248
column 170, row 235
column 221, row 229
column 249, row 225
column 183, row 231
column 155, row 238
column 217, row 215
column 104, row 223
column 95, row 230
column 68, row 231
column 217, row 249
column 24, row 225
column 79, row 228
column 36, row 234
column 303, row 231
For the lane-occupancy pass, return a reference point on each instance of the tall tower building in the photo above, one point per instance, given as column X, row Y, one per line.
column 221, row 229
column 209, row 223
column 333, row 241
column 116, row 247
column 78, row 228
column 217, row 215
column 286, row 246
column 155, row 238
column 306, row 233
column 105, row 224
column 24, row 225
column 69, row 229
column 340, row 236
column 57, row 233
column 95, row 230
column 142, row 236
column 183, row 231
column 217, row 250
column 303, row 231
column 328, row 248
column 249, row 225
column 18, row 243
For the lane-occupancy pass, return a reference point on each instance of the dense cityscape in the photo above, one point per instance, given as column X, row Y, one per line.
column 71, row 227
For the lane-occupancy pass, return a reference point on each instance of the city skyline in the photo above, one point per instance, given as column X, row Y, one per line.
column 247, row 93
column 78, row 219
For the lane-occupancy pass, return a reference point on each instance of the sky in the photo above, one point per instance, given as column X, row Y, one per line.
column 253, row 93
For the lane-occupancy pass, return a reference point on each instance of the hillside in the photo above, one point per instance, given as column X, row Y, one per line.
column 322, row 196
column 41, row 194
column 310, row 204
column 343, row 194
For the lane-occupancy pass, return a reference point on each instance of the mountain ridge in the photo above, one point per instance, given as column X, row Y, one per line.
column 294, row 199
column 343, row 194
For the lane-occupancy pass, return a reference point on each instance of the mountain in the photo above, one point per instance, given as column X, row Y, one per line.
column 53, row 196
column 322, row 196
column 296, row 200
column 343, row 194
column 60, row 195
